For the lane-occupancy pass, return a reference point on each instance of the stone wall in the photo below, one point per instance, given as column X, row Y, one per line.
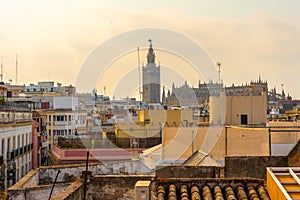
column 111, row 187
column 252, row 166
column 179, row 171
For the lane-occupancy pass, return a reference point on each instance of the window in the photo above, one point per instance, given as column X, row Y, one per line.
column 60, row 118
column 18, row 142
column 2, row 147
column 9, row 94
column 244, row 119
column 8, row 145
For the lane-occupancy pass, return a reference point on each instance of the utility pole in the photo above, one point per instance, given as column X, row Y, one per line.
column 16, row 69
column 1, row 70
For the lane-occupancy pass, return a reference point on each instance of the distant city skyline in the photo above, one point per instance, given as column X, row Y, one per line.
column 53, row 38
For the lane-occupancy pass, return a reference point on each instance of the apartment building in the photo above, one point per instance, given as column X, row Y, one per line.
column 15, row 135
column 65, row 119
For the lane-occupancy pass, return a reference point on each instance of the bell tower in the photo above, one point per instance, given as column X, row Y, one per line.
column 151, row 78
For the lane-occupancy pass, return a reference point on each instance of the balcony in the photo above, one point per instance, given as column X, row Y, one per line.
column 9, row 106
column 62, row 123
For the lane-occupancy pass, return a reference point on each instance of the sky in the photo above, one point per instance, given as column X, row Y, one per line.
column 250, row 38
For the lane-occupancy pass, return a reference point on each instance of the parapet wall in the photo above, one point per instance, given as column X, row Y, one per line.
column 180, row 171
column 111, row 187
column 252, row 166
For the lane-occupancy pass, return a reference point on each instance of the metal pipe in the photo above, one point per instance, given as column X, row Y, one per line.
column 54, row 184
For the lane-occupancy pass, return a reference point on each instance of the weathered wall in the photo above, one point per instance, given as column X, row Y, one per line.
column 36, row 181
column 111, row 187
column 70, row 173
column 35, row 193
column 252, row 166
column 72, row 192
column 43, row 192
column 187, row 172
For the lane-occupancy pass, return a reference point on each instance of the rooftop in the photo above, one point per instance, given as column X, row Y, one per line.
column 211, row 189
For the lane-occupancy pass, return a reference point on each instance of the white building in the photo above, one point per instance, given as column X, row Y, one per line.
column 65, row 119
column 15, row 136
column 49, row 88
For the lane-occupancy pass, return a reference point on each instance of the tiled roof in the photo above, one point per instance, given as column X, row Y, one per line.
column 195, row 158
column 211, row 192
column 200, row 158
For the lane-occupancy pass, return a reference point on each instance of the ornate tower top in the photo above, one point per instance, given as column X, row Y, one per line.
column 151, row 54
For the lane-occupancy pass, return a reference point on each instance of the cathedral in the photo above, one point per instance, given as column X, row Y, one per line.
column 204, row 90
column 151, row 78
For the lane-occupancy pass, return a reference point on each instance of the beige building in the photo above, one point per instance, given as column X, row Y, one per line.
column 240, row 109
column 64, row 122
column 179, row 143
column 167, row 118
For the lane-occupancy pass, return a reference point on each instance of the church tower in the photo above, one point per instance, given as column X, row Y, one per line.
column 151, row 78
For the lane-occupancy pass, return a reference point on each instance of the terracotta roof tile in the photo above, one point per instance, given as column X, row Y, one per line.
column 211, row 192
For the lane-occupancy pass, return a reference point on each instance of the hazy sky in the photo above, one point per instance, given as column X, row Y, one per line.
column 53, row 38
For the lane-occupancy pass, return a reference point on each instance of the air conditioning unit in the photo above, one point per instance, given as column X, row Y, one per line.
column 142, row 190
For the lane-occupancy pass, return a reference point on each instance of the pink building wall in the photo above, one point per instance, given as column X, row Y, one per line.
column 35, row 143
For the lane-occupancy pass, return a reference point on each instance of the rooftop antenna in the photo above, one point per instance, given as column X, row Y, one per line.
column 16, row 68
column 139, row 71
column 1, row 75
column 219, row 71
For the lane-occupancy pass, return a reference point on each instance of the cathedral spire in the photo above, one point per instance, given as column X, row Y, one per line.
column 151, row 54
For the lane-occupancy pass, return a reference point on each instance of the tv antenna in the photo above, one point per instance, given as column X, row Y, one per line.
column 16, row 68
